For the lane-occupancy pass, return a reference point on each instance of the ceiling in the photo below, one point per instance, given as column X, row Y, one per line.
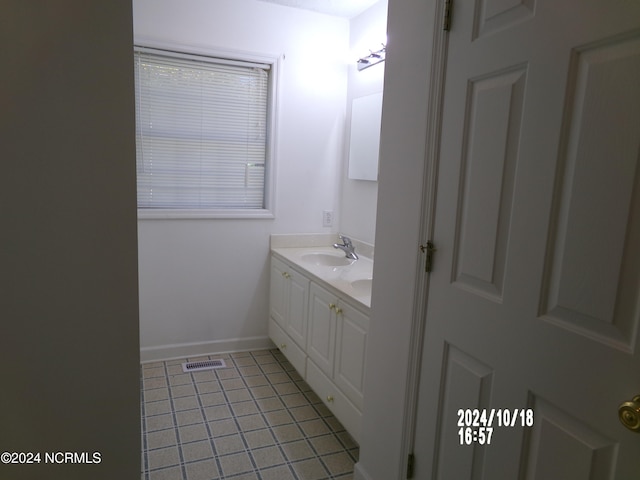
column 337, row 8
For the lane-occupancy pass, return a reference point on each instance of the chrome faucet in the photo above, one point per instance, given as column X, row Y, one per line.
column 347, row 247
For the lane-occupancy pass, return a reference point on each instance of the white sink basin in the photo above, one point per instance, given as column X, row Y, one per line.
column 326, row 259
column 362, row 285
column 329, row 265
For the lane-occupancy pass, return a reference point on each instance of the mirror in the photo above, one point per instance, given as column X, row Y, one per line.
column 366, row 116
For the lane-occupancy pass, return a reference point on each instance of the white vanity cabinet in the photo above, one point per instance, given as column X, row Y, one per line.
column 337, row 341
column 337, row 347
column 324, row 336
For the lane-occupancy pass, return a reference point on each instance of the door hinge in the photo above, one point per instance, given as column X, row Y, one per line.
column 447, row 15
column 429, row 249
column 410, row 462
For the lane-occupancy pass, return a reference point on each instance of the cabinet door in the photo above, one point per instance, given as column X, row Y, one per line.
column 278, row 296
column 296, row 325
column 339, row 404
column 294, row 354
column 351, row 351
column 322, row 328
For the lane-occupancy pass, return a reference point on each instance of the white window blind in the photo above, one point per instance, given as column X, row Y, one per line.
column 201, row 131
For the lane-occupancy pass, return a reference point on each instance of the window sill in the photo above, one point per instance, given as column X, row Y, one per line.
column 171, row 214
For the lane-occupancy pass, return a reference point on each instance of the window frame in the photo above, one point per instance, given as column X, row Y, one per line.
column 274, row 62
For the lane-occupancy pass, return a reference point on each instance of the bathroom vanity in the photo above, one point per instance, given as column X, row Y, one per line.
column 319, row 319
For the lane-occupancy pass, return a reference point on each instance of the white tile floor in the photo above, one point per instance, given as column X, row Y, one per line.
column 254, row 419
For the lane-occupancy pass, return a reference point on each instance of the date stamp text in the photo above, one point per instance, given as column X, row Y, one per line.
column 477, row 425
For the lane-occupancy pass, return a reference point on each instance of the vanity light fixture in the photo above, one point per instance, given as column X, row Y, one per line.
column 372, row 59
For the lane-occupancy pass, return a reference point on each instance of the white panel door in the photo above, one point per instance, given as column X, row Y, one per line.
column 534, row 297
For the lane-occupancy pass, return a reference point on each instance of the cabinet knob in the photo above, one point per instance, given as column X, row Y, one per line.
column 283, row 346
column 286, row 275
column 338, row 311
column 329, row 398
column 332, row 306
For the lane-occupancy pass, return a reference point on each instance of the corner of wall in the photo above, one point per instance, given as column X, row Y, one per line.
column 359, row 473
column 399, row 215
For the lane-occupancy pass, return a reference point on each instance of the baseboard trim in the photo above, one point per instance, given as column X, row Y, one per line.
column 186, row 350
column 359, row 473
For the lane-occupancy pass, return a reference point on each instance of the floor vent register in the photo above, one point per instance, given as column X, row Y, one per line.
column 203, row 365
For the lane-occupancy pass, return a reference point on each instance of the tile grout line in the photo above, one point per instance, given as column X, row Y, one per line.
column 271, row 370
column 246, row 450
column 175, row 423
column 331, row 430
column 143, row 427
column 210, row 435
column 312, row 404
column 269, row 427
column 296, row 422
column 289, row 463
column 260, row 412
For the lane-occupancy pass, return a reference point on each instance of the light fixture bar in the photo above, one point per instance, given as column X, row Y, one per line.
column 372, row 59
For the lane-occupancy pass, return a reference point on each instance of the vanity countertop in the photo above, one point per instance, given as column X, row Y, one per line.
column 352, row 279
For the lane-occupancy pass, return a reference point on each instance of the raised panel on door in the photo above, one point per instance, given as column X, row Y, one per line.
column 466, row 384
column 489, row 160
column 297, row 312
column 351, row 352
column 495, row 15
column 585, row 453
column 598, row 195
column 322, row 328
column 278, row 292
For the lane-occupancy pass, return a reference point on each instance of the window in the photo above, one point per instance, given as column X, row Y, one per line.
column 202, row 135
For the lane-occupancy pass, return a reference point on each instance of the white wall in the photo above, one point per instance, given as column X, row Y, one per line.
column 69, row 349
column 359, row 198
column 206, row 281
column 402, row 163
